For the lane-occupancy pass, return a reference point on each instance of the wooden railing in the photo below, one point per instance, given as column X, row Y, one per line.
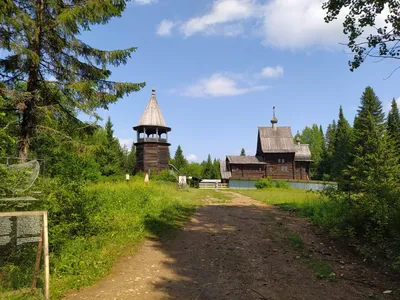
column 221, row 186
column 156, row 140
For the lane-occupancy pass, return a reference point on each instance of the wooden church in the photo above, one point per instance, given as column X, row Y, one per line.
column 277, row 157
column 152, row 147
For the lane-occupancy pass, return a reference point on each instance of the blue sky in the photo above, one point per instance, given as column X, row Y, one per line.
column 219, row 66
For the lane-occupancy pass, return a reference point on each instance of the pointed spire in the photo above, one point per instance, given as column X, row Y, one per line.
column 152, row 115
column 274, row 120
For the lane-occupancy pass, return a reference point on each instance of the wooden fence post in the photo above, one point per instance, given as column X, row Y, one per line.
column 46, row 258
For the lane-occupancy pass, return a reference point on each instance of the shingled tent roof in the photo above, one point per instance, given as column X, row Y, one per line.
column 152, row 115
column 303, row 153
column 276, row 140
column 248, row 160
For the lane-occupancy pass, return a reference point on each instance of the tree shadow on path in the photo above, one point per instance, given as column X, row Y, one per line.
column 240, row 251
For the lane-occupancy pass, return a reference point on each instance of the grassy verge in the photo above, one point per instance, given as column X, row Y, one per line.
column 288, row 199
column 123, row 215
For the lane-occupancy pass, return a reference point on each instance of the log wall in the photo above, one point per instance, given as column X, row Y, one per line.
column 241, row 171
column 302, row 171
column 151, row 156
column 280, row 170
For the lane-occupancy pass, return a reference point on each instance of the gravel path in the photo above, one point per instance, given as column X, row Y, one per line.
column 240, row 250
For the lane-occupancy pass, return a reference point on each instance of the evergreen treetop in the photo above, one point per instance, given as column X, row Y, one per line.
column 393, row 121
column 40, row 39
column 342, row 147
column 179, row 159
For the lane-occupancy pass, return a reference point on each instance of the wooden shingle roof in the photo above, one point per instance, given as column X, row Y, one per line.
column 276, row 140
column 303, row 153
column 248, row 160
column 152, row 115
column 225, row 173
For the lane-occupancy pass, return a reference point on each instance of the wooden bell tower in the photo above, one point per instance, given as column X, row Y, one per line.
column 152, row 147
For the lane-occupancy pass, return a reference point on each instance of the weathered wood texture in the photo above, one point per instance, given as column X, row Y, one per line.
column 151, row 156
column 280, row 165
column 240, row 171
column 302, row 171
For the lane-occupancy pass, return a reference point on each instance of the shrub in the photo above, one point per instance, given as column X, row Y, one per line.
column 282, row 184
column 264, row 184
column 165, row 175
column 267, row 184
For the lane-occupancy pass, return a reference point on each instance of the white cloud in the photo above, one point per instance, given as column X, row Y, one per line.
column 272, row 72
column 219, row 85
column 222, row 12
column 165, row 28
column 283, row 24
column 145, row 2
column 191, row 158
column 299, row 24
column 126, row 142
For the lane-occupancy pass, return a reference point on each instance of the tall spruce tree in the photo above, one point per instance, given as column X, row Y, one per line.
column 371, row 150
column 180, row 160
column 242, row 152
column 342, row 148
column 40, row 39
column 216, row 170
column 110, row 156
column 393, row 125
column 208, row 168
column 325, row 166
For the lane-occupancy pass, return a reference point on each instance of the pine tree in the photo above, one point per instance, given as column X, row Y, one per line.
column 242, row 152
column 325, row 166
column 342, row 148
column 370, row 144
column 208, row 168
column 180, row 160
column 40, row 38
column 216, row 169
column 131, row 161
column 393, row 125
column 111, row 157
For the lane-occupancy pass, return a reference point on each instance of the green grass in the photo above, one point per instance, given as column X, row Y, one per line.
column 287, row 199
column 131, row 211
column 124, row 214
column 296, row 241
column 322, row 269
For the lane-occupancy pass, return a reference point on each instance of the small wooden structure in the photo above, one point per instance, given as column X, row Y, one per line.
column 277, row 157
column 152, row 147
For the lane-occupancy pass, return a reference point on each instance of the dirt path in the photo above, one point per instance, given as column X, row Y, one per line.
column 240, row 250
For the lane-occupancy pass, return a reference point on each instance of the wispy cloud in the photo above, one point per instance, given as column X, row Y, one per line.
column 221, row 12
column 192, row 158
column 165, row 28
column 230, row 84
column 284, row 24
column 145, row 2
column 219, row 85
column 272, row 72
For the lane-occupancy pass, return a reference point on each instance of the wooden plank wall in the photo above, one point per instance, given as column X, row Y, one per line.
column 240, row 171
column 302, row 170
column 152, row 156
column 274, row 168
